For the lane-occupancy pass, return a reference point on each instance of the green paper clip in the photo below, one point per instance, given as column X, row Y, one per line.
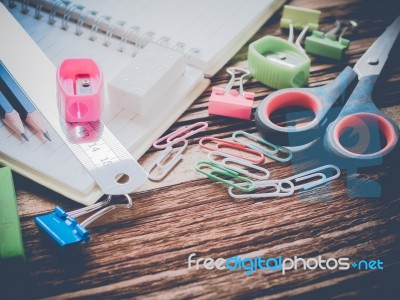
column 266, row 148
column 11, row 245
column 219, row 170
column 300, row 17
column 327, row 44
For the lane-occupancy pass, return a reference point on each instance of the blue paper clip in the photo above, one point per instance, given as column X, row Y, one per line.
column 266, row 148
column 65, row 230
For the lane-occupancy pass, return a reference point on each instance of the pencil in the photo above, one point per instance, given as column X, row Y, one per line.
column 21, row 102
column 11, row 117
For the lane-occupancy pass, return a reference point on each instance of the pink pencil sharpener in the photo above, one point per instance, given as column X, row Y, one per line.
column 79, row 90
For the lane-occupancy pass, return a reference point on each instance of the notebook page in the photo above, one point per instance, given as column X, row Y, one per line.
column 214, row 27
column 129, row 128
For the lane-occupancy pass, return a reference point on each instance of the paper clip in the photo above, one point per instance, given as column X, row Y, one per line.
column 216, row 170
column 166, row 167
column 65, row 230
column 220, row 144
column 238, row 161
column 264, row 149
column 320, row 177
column 179, row 135
column 328, row 45
column 277, row 192
column 231, row 103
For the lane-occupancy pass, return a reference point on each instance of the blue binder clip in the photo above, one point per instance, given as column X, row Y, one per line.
column 66, row 231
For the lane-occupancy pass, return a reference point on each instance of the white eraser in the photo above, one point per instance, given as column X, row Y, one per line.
column 146, row 79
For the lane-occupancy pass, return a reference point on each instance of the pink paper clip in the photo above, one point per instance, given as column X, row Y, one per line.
column 179, row 135
column 220, row 144
column 231, row 103
column 79, row 90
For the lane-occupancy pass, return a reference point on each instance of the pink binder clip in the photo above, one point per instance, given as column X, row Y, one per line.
column 79, row 90
column 231, row 103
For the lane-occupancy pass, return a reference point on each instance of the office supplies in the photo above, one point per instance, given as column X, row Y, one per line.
column 327, row 44
column 268, row 149
column 20, row 100
column 66, row 231
column 79, row 90
column 286, row 187
column 216, row 41
column 11, row 245
column 252, row 156
column 266, row 186
column 300, row 17
column 138, row 88
column 231, row 103
column 217, row 171
column 279, row 63
column 229, row 161
column 312, row 178
column 173, row 138
column 11, row 117
column 179, row 135
column 160, row 162
column 359, row 117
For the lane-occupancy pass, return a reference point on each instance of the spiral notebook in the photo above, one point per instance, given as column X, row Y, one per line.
column 40, row 35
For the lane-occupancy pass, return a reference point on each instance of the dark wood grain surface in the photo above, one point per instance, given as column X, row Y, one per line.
column 143, row 252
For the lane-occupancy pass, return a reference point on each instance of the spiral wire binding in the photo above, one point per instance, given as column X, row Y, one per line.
column 54, row 8
column 24, row 7
column 95, row 27
column 125, row 36
column 11, row 4
column 68, row 13
column 110, row 30
column 82, row 18
column 38, row 9
column 130, row 35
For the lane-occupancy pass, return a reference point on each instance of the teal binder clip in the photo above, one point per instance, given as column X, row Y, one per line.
column 328, row 45
column 283, row 64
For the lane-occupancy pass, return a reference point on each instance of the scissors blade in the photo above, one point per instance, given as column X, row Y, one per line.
column 372, row 62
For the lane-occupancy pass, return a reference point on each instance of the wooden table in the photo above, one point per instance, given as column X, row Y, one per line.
column 143, row 252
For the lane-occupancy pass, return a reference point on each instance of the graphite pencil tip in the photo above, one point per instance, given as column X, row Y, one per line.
column 47, row 135
column 24, row 136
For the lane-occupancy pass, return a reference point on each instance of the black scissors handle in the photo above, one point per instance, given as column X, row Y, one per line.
column 318, row 100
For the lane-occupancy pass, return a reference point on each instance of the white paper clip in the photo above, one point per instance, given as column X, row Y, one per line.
column 320, row 177
column 278, row 191
column 160, row 162
column 229, row 159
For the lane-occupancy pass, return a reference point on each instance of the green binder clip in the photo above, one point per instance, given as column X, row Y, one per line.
column 328, row 45
column 11, row 245
column 300, row 18
column 283, row 64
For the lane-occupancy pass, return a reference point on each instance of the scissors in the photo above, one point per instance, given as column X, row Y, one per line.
column 360, row 131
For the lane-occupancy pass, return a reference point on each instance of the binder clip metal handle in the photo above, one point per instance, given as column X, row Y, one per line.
column 229, row 102
column 331, row 44
column 66, row 231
